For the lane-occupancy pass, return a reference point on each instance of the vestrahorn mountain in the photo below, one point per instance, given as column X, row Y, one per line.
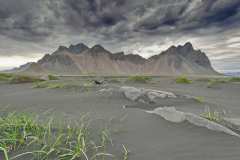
column 80, row 59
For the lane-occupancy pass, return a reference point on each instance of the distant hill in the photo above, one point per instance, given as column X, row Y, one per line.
column 80, row 59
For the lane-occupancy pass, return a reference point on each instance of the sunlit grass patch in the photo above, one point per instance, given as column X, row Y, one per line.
column 16, row 78
column 139, row 79
column 199, row 99
column 24, row 79
column 23, row 136
column 54, row 85
column 64, row 85
column 183, row 80
column 52, row 77
column 212, row 116
column 234, row 79
column 214, row 82
column 114, row 80
column 5, row 76
column 126, row 153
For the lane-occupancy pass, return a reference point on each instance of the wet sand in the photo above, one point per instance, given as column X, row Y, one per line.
column 147, row 136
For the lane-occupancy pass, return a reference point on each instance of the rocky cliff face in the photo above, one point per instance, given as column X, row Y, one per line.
column 80, row 59
column 180, row 60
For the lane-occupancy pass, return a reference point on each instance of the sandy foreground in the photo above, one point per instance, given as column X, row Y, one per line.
column 147, row 136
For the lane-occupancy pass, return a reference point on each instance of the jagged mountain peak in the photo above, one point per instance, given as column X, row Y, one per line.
column 78, row 48
column 135, row 58
column 78, row 45
column 98, row 49
column 188, row 46
column 74, row 49
column 62, row 48
column 182, row 59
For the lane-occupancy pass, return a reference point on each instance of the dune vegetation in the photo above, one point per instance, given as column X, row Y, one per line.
column 16, row 78
column 5, row 76
column 63, row 85
column 212, row 116
column 24, row 79
column 183, row 80
column 52, row 77
column 139, row 79
column 32, row 139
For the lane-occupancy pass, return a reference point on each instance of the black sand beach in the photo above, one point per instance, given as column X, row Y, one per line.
column 147, row 136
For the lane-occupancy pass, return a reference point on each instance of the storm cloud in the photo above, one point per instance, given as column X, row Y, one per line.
column 31, row 28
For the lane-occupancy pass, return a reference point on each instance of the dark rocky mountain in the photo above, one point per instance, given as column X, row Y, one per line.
column 79, row 48
column 180, row 60
column 134, row 58
column 80, row 59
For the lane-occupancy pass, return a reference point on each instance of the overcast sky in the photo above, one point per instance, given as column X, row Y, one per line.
column 31, row 28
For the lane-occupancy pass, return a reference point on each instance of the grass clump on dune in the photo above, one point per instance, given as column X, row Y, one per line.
column 183, row 80
column 52, row 77
column 212, row 116
column 24, row 137
column 63, row 85
column 24, row 79
column 53, row 85
column 113, row 80
column 199, row 99
column 15, row 79
column 5, row 76
column 139, row 79
column 214, row 82
column 234, row 79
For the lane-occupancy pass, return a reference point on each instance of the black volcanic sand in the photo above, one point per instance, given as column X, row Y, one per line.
column 147, row 136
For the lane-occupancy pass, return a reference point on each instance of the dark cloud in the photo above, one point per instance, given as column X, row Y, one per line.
column 95, row 13
column 118, row 24
column 36, row 20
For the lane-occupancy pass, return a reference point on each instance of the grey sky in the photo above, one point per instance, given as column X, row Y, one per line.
column 31, row 28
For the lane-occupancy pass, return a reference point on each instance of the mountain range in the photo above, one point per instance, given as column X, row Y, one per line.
column 80, row 59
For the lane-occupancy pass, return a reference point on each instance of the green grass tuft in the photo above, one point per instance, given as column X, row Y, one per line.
column 5, row 76
column 183, row 80
column 126, row 153
column 212, row 116
column 28, row 137
column 199, row 99
column 234, row 79
column 16, row 79
column 53, row 85
column 214, row 82
column 52, row 77
column 114, row 80
column 139, row 79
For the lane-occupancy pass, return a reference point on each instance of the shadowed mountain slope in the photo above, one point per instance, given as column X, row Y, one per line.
column 80, row 59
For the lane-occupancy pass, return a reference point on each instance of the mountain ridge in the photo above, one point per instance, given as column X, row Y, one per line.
column 81, row 59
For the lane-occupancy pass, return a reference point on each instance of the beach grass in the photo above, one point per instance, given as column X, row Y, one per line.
column 212, row 116
column 16, row 79
column 183, row 80
column 139, row 79
column 234, row 79
column 5, row 76
column 52, row 77
column 50, row 85
column 63, row 85
column 28, row 137
column 214, row 82
column 199, row 99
